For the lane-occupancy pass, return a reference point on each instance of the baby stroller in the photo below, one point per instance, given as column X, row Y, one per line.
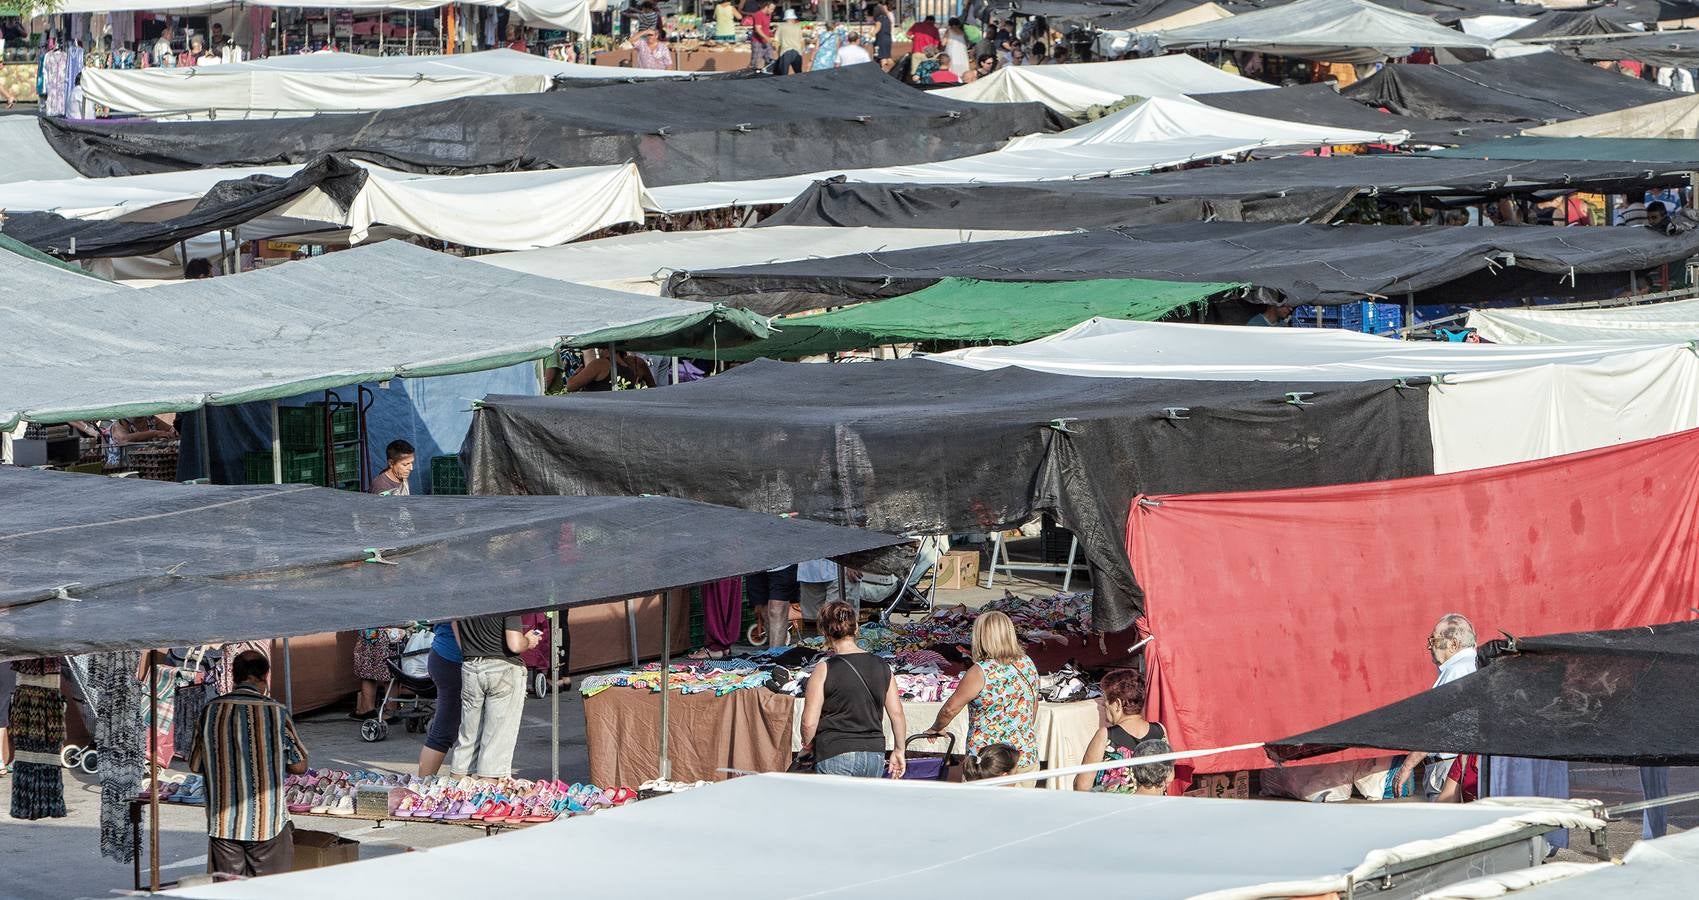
column 926, row 765
column 407, row 671
column 537, row 658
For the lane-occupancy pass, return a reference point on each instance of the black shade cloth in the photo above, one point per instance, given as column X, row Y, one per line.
column 1446, row 12
column 1622, row 697
column 154, row 565
column 1320, row 104
column 676, row 133
column 227, row 204
column 1576, row 22
column 1679, row 50
column 1306, row 263
column 915, row 446
column 1118, row 15
column 1541, row 87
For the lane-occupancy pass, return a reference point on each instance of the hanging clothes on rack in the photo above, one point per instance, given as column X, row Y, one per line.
column 37, row 728
column 52, row 85
column 120, row 733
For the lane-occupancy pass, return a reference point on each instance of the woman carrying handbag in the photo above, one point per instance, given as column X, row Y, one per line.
column 841, row 712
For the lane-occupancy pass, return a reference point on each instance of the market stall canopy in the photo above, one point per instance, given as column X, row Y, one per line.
column 1676, row 50
column 369, row 314
column 26, row 277
column 1282, row 189
column 1174, row 846
column 1677, row 320
column 1678, row 118
column 1635, row 151
column 958, row 309
column 1615, row 697
column 1304, row 263
column 1320, row 104
column 305, row 84
column 571, row 15
column 1599, row 540
column 1153, row 134
column 913, row 446
column 202, row 564
column 1575, row 23
column 1122, row 16
column 1058, row 205
column 1488, row 405
column 94, row 199
column 1662, row 869
column 642, row 261
column 1542, row 87
column 1075, row 88
column 1336, row 30
column 28, row 155
column 676, row 131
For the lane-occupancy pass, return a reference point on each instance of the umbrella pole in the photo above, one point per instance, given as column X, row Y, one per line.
column 153, row 771
column 277, row 478
column 665, row 772
column 554, row 694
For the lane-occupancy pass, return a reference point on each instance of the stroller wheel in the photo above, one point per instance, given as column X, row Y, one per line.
column 373, row 730
column 539, row 685
column 70, row 756
column 90, row 762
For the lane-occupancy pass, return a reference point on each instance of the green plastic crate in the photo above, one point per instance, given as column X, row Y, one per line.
column 302, row 427
column 347, row 465
column 299, row 467
column 447, row 476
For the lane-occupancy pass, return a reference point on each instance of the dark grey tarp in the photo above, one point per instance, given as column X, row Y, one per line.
column 1679, row 50
column 1306, row 263
column 1114, row 15
column 1574, row 22
column 915, row 446
column 676, row 132
column 91, row 564
column 227, row 204
column 1541, row 87
column 1320, row 104
column 1446, row 12
column 1624, row 697
column 1282, row 189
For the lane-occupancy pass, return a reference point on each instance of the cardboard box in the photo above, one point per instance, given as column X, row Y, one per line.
column 958, row 569
column 1227, row 785
column 317, row 849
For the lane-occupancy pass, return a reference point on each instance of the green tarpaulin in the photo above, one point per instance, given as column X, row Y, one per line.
column 970, row 311
column 1647, row 150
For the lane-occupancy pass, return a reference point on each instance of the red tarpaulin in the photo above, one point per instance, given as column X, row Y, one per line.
column 1276, row 612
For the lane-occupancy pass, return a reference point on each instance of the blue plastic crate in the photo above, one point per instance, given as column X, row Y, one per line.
column 1371, row 318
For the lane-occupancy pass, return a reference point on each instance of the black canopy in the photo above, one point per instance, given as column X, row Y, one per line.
column 1305, row 263
column 676, row 132
column 1320, row 104
column 1680, row 50
column 1624, row 697
column 1108, row 15
column 916, row 446
column 1540, row 87
column 93, row 564
column 1574, row 22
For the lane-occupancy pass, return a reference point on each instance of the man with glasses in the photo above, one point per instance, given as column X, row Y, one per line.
column 1452, row 648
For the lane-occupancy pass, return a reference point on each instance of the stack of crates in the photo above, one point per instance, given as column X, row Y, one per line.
column 1365, row 316
column 301, row 434
column 447, row 476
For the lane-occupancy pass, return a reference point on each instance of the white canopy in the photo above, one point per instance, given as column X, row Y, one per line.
column 497, row 211
column 1494, row 404
column 328, row 82
column 964, row 841
column 1663, row 869
column 1072, row 89
column 368, row 314
column 1678, row 118
column 24, row 280
column 127, row 195
column 27, row 154
column 1339, row 30
column 1673, row 321
column 572, row 15
column 641, row 262
column 1494, row 27
column 1154, row 134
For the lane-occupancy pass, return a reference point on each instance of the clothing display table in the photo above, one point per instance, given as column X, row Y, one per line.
column 1064, row 731
column 747, row 730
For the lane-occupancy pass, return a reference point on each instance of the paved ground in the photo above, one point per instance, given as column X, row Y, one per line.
column 58, row 859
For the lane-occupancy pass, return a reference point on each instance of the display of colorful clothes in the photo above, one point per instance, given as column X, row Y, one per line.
column 719, row 677
column 51, row 84
column 949, row 630
column 722, row 612
column 37, row 729
column 121, row 734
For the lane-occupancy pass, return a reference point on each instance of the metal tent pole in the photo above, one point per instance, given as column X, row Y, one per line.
column 277, row 478
column 1068, row 576
column 631, row 628
column 665, row 769
column 554, row 694
column 153, row 771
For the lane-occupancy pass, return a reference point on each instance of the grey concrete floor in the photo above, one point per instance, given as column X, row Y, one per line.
column 57, row 859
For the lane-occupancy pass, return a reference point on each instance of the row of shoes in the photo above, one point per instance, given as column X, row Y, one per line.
column 175, row 789
column 528, row 803
column 330, row 801
column 659, row 786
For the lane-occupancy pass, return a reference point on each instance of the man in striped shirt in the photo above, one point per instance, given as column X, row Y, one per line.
column 245, row 745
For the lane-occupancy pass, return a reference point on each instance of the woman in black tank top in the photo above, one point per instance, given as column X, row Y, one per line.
column 848, row 694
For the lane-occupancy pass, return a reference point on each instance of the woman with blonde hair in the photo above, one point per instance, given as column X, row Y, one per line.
column 1000, row 692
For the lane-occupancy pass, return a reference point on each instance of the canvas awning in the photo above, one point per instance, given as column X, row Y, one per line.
column 1598, row 540
column 1678, row 50
column 91, row 564
column 1174, row 847
column 27, row 275
column 571, row 15
column 1338, row 30
column 1677, row 118
column 962, row 309
column 1665, row 152
column 1488, row 404
column 369, row 314
column 305, row 84
column 1675, row 321
column 1661, row 869
column 1073, row 89
column 1539, row 88
column 1320, row 104
column 642, row 261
